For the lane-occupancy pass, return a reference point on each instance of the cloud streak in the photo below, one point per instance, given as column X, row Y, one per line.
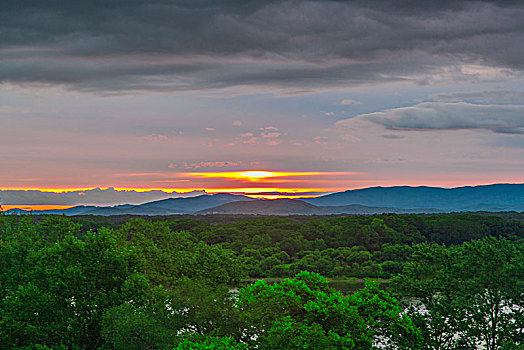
column 487, row 96
column 507, row 119
column 190, row 45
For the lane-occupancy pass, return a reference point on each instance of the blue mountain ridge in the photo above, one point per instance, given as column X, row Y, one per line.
column 373, row 200
column 486, row 197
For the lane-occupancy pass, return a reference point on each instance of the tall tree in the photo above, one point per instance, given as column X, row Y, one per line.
column 467, row 295
column 304, row 312
column 63, row 291
column 494, row 269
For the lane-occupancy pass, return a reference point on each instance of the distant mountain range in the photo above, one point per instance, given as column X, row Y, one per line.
column 172, row 205
column 95, row 196
column 375, row 200
column 162, row 207
column 300, row 207
column 498, row 197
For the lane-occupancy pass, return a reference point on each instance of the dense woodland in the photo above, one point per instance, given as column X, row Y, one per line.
column 452, row 282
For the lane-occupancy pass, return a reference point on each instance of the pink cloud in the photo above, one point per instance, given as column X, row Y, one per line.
column 350, row 102
column 154, row 138
column 252, row 141
column 274, row 142
column 321, row 140
column 270, row 135
column 198, row 165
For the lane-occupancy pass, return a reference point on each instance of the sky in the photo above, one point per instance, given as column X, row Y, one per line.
column 322, row 95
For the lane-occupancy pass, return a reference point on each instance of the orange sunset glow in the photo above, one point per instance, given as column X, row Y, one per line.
column 253, row 175
column 256, row 183
column 267, row 184
column 35, row 207
column 250, row 181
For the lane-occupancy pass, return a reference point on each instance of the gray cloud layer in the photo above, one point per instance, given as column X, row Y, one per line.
column 182, row 45
column 490, row 96
column 447, row 116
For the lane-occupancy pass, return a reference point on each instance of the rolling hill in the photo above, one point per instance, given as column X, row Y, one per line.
column 498, row 197
column 300, row 207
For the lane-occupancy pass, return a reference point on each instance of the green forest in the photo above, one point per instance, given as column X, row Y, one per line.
column 422, row 282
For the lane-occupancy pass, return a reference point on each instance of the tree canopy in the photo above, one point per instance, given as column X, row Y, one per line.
column 163, row 283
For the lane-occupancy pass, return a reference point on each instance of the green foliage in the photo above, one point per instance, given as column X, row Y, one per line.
column 166, row 256
column 304, row 312
column 469, row 294
column 63, row 287
column 286, row 333
column 494, row 270
column 125, row 327
column 191, row 310
column 120, row 283
column 211, row 343
column 142, row 321
column 63, row 291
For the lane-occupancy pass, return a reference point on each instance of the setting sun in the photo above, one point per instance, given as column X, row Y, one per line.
column 258, row 174
column 253, row 175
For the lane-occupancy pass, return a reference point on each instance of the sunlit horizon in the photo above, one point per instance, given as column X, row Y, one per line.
column 257, row 184
column 246, row 190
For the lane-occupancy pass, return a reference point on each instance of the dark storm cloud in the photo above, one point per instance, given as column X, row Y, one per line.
column 183, row 45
